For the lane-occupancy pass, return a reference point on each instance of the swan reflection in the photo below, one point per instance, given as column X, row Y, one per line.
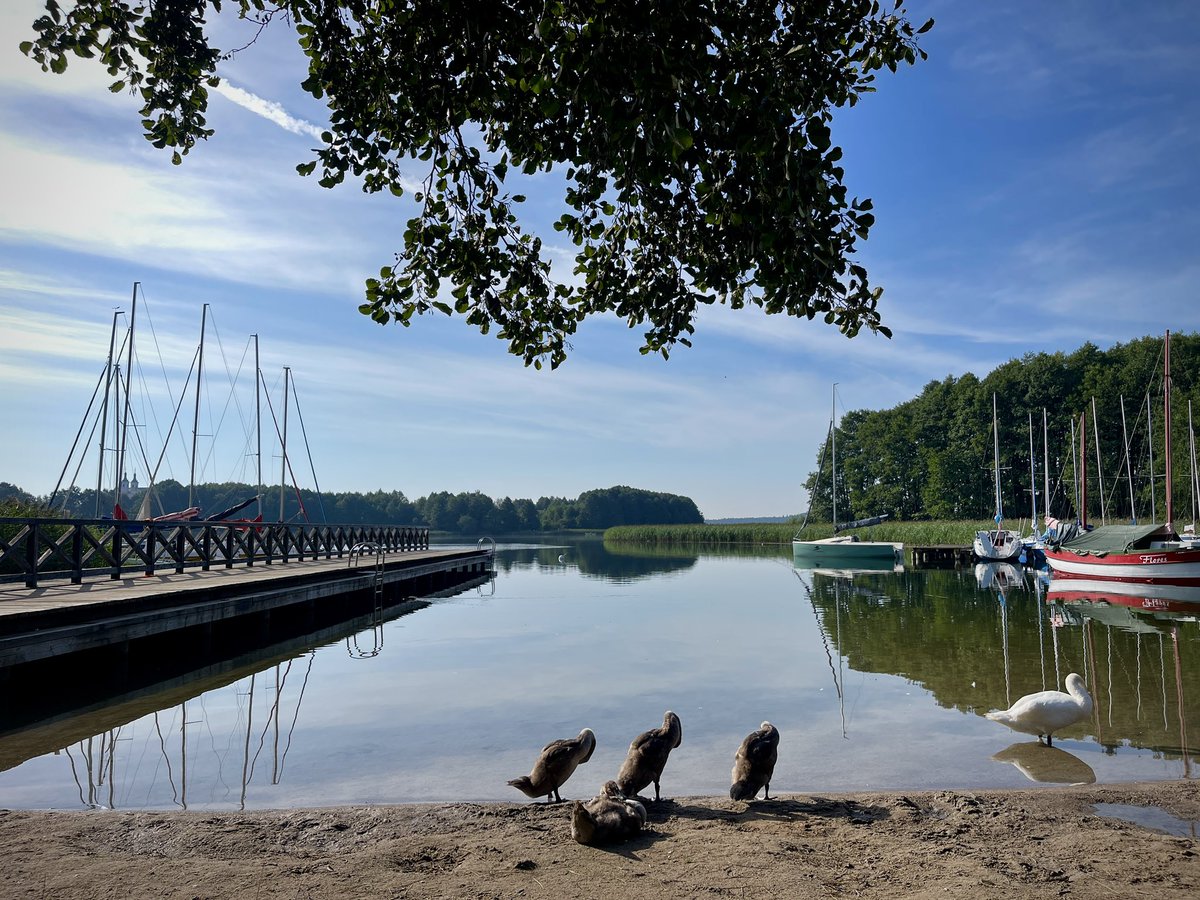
column 1037, row 762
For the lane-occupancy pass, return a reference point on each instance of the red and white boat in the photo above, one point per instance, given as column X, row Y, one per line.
column 1143, row 554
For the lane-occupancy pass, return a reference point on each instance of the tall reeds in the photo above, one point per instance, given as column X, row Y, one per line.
column 924, row 534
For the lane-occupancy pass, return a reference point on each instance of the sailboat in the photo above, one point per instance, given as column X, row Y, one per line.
column 999, row 545
column 1147, row 554
column 844, row 550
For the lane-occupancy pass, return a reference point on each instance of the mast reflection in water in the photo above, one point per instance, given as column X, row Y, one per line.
column 875, row 680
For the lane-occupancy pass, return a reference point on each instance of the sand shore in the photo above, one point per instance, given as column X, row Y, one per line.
column 1040, row 842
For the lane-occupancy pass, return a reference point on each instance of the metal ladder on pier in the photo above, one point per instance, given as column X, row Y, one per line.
column 357, row 552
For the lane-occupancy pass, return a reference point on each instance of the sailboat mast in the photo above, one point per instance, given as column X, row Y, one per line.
column 1032, row 480
column 833, row 454
column 258, row 486
column 196, row 416
column 1099, row 465
column 1150, row 444
column 124, row 441
column 1195, row 479
column 112, row 344
column 283, row 454
column 1167, row 424
column 996, row 458
column 1128, row 464
column 1074, row 469
column 1083, row 469
column 1045, row 462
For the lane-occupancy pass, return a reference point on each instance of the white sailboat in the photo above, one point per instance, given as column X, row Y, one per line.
column 999, row 544
column 844, row 550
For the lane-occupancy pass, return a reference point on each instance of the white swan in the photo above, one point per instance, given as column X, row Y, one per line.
column 1046, row 712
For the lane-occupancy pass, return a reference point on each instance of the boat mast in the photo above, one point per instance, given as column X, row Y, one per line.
column 112, row 343
column 1099, row 465
column 1032, row 480
column 124, row 441
column 1046, row 461
column 1074, row 469
column 996, row 459
column 833, row 456
column 258, row 486
column 1150, row 444
column 283, row 441
column 196, row 417
column 1195, row 479
column 1167, row 424
column 1083, row 469
column 1128, row 463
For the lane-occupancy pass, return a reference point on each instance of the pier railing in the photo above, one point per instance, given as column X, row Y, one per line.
column 36, row 549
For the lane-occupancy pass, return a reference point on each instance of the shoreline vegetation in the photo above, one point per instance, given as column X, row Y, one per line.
column 957, row 533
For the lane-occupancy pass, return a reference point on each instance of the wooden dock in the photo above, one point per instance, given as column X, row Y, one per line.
column 941, row 556
column 50, row 621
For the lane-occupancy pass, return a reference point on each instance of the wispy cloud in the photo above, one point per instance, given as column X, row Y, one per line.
column 268, row 109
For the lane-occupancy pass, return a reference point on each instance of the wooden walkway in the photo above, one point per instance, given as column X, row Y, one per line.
column 60, row 618
column 941, row 556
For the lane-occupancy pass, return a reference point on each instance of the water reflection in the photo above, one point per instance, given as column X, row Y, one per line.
column 976, row 650
column 875, row 679
column 1152, row 618
column 1037, row 762
column 595, row 559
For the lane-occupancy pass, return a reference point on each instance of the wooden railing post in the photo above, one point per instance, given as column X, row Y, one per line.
column 151, row 550
column 115, row 573
column 179, row 549
column 77, row 555
column 206, row 548
column 31, row 555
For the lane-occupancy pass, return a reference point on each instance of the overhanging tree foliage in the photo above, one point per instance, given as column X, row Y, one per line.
column 693, row 137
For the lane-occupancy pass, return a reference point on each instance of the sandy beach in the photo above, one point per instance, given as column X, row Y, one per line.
column 1039, row 842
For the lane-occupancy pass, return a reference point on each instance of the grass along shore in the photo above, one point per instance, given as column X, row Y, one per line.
column 925, row 534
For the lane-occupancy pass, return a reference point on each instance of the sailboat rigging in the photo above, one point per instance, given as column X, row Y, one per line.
column 1148, row 554
column 117, row 417
column 999, row 545
column 845, row 549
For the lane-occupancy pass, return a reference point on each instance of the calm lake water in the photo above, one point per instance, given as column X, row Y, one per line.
column 875, row 680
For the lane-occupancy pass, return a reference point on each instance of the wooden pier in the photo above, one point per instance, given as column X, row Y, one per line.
column 54, row 620
column 942, row 556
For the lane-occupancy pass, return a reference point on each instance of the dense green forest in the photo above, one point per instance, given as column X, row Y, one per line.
column 465, row 513
column 931, row 457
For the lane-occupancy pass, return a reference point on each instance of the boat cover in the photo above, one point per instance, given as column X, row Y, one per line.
column 1113, row 538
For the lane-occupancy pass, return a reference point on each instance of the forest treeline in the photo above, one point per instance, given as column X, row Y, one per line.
column 463, row 513
column 931, row 457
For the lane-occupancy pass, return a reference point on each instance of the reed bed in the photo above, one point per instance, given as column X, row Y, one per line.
column 925, row 534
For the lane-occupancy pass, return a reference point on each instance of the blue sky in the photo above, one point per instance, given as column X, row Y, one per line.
column 1035, row 186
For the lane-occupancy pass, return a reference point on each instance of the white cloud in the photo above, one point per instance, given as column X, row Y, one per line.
column 268, row 109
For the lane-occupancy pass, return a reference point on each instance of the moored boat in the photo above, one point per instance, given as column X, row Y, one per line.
column 998, row 544
column 1145, row 554
column 844, row 550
